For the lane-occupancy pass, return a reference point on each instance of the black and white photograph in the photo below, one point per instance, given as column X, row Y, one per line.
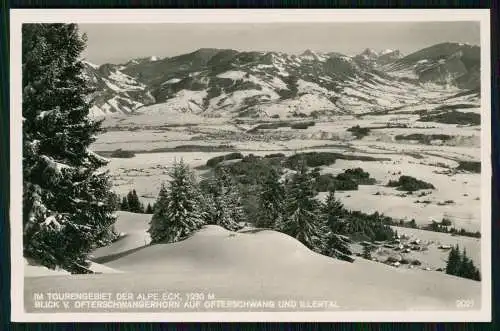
column 243, row 165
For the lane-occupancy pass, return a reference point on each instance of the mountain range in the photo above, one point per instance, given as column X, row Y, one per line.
column 226, row 82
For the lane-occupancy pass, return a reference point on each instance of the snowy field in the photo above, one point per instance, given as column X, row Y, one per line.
column 133, row 229
column 232, row 267
column 432, row 163
column 133, row 234
column 463, row 189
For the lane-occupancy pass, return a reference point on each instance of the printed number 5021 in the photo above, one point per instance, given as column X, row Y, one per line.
column 465, row 303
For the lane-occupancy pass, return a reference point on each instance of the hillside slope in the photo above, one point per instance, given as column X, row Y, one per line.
column 114, row 92
column 264, row 265
column 446, row 63
column 225, row 82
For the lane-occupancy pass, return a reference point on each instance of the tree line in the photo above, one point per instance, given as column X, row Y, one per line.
column 131, row 203
column 444, row 226
column 252, row 175
column 287, row 205
column 459, row 264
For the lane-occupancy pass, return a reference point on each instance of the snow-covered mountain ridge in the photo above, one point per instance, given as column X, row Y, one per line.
column 114, row 91
column 224, row 82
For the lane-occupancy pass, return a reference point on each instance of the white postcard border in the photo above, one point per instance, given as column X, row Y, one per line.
column 19, row 16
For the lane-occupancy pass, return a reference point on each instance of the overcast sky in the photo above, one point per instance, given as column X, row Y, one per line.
column 118, row 43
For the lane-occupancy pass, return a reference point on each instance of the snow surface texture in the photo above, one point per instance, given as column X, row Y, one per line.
column 33, row 270
column 462, row 189
column 133, row 229
column 231, row 265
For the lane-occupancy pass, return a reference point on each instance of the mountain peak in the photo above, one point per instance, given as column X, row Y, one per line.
column 390, row 54
column 90, row 64
column 310, row 55
column 308, row 52
column 387, row 51
column 208, row 51
column 369, row 52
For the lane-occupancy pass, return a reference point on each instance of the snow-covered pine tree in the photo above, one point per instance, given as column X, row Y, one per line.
column 231, row 198
column 114, row 200
column 66, row 209
column 271, row 201
column 149, row 209
column 334, row 212
column 130, row 201
column 338, row 244
column 222, row 202
column 454, row 261
column 124, row 204
column 467, row 268
column 303, row 220
column 139, row 208
column 207, row 203
column 134, row 205
column 158, row 225
column 178, row 212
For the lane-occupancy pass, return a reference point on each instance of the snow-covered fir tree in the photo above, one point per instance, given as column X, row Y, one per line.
column 459, row 264
column 454, row 261
column 222, row 202
column 208, row 203
column 114, row 200
column 231, row 196
column 271, row 201
column 134, row 205
column 158, row 223
column 338, row 244
column 177, row 211
column 303, row 220
column 66, row 206
column 124, row 204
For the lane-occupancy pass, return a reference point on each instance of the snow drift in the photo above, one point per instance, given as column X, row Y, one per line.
column 260, row 265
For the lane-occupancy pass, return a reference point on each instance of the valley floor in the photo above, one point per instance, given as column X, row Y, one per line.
column 457, row 195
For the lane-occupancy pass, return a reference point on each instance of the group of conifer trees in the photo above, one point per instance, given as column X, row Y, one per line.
column 131, row 203
column 459, row 264
column 290, row 207
column 183, row 207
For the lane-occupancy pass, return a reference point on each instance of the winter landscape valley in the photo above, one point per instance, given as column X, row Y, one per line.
column 396, row 137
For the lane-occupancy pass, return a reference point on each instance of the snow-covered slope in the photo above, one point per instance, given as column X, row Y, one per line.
column 114, row 91
column 230, row 83
column 34, row 270
column 133, row 229
column 233, row 265
column 446, row 63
